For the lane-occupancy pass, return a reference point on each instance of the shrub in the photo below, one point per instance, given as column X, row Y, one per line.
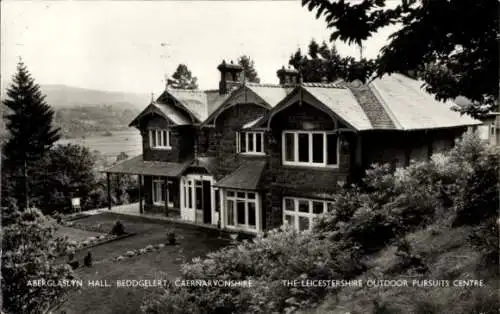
column 87, row 261
column 283, row 255
column 118, row 229
column 171, row 237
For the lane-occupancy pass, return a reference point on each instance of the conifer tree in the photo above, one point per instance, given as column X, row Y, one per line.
column 249, row 68
column 29, row 122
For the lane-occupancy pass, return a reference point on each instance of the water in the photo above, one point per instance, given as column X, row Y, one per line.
column 128, row 142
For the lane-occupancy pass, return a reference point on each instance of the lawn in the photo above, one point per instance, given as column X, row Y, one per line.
column 75, row 234
column 161, row 264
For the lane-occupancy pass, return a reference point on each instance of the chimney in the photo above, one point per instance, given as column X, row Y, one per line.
column 230, row 76
column 287, row 76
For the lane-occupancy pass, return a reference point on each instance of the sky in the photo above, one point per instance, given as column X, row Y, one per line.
column 130, row 46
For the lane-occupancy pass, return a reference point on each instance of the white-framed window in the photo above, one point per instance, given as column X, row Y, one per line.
column 300, row 213
column 159, row 191
column 310, row 148
column 241, row 209
column 250, row 143
column 160, row 139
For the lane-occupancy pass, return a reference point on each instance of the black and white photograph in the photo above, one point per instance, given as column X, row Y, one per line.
column 220, row 157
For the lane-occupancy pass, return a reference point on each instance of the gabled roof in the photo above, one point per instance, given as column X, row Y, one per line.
column 168, row 112
column 342, row 102
column 271, row 95
column 245, row 177
column 392, row 102
column 199, row 103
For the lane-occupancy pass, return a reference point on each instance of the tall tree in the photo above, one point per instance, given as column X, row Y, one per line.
column 323, row 63
column 249, row 69
column 183, row 79
column 453, row 58
column 31, row 132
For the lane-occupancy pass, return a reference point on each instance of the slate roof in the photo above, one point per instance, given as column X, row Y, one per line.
column 410, row 107
column 199, row 103
column 342, row 102
column 245, row 177
column 137, row 165
column 272, row 94
column 169, row 112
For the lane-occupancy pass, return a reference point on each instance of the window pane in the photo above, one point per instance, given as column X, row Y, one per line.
column 190, row 197
column 240, row 194
column 170, row 192
column 251, row 214
column 251, row 195
column 317, row 207
column 289, row 147
column 318, row 148
column 165, row 138
column 198, row 196
column 303, row 147
column 304, row 223
column 153, row 138
column 185, row 196
column 163, row 192
column 258, row 143
column 329, row 206
column 332, row 149
column 243, row 145
column 250, row 141
column 289, row 204
column 230, row 193
column 240, row 212
column 303, row 206
column 169, row 138
column 230, row 212
column 290, row 220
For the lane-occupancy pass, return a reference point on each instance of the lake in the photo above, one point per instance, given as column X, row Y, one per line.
column 128, row 141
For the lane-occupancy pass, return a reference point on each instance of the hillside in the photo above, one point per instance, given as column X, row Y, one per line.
column 83, row 112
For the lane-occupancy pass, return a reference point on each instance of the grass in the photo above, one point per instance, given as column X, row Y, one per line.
column 75, row 234
column 162, row 264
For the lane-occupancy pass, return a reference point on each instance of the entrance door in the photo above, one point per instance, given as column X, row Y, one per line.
column 197, row 198
column 207, row 202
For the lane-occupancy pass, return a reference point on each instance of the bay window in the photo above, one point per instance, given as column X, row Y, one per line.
column 250, row 143
column 310, row 148
column 159, row 139
column 300, row 213
column 241, row 209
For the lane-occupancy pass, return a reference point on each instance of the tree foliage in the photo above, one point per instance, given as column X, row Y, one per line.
column 452, row 44
column 323, row 63
column 29, row 122
column 249, row 69
column 66, row 171
column 30, row 249
column 182, row 78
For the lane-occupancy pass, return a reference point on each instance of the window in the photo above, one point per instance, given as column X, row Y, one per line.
column 301, row 212
column 159, row 192
column 159, row 139
column 310, row 148
column 250, row 143
column 241, row 209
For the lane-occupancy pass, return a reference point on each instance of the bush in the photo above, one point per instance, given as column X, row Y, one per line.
column 171, row 237
column 118, row 229
column 87, row 261
column 283, row 255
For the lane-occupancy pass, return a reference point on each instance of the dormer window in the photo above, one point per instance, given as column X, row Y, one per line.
column 310, row 148
column 251, row 143
column 159, row 139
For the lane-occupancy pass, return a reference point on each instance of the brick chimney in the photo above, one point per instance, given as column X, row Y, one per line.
column 230, row 76
column 288, row 76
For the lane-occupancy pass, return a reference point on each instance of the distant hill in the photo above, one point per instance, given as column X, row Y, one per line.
column 83, row 112
column 62, row 96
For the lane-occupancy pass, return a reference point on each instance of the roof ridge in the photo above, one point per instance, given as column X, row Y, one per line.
column 324, row 85
column 264, row 85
